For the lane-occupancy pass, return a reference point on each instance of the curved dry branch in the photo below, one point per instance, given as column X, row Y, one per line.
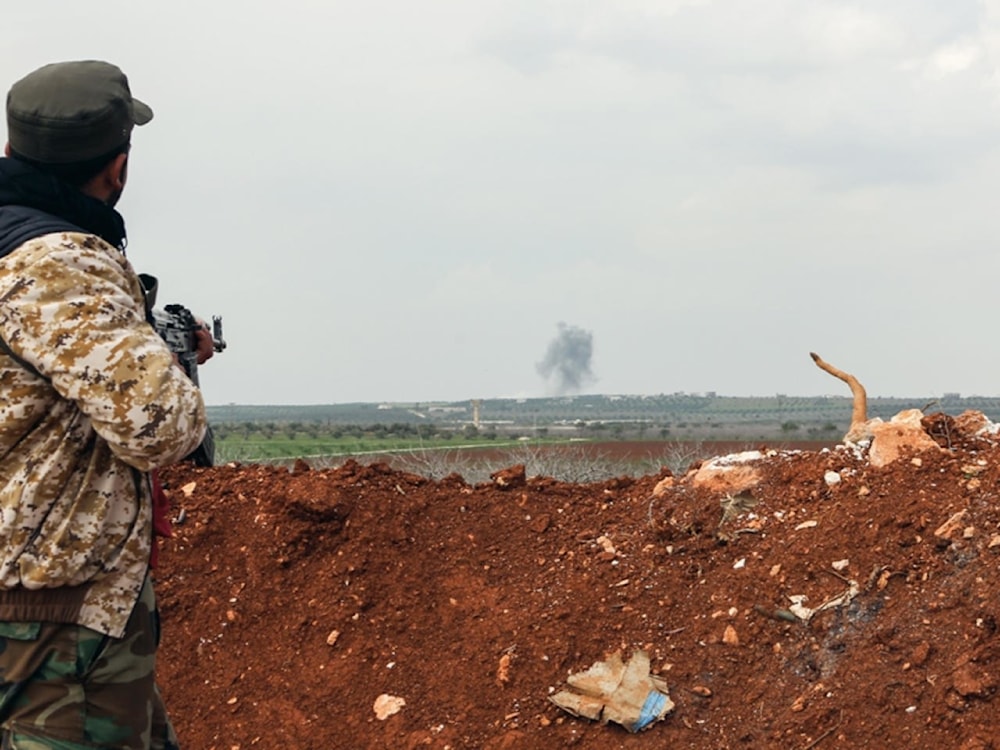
column 859, row 413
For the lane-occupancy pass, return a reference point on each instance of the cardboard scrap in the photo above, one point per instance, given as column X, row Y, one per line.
column 611, row 690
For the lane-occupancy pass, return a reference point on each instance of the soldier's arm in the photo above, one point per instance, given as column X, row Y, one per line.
column 77, row 321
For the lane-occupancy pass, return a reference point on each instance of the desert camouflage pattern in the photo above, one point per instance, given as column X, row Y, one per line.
column 106, row 405
column 71, row 688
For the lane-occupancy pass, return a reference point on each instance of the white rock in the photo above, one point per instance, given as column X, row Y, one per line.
column 386, row 705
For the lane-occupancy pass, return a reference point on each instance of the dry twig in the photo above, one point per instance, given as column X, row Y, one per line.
column 859, row 412
column 826, row 734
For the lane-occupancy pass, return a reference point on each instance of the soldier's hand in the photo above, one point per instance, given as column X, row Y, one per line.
column 204, row 346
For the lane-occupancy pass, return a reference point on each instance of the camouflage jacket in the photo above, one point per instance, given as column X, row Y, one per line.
column 98, row 405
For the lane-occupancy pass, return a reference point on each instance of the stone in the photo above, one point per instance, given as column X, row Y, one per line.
column 903, row 434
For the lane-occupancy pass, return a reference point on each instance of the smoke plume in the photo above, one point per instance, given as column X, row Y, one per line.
column 567, row 360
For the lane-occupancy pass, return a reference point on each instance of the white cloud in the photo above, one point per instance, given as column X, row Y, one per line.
column 955, row 58
column 837, row 33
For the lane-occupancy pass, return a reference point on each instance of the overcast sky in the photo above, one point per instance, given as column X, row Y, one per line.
column 412, row 201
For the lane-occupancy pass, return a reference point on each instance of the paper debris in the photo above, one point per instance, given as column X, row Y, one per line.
column 611, row 690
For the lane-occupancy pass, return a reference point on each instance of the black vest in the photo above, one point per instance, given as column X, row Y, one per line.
column 18, row 224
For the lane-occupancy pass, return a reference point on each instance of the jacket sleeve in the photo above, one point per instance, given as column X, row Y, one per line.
column 75, row 313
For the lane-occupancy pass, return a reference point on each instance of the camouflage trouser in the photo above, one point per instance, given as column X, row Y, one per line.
column 66, row 687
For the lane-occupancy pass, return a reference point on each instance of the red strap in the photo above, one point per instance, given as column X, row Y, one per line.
column 161, row 517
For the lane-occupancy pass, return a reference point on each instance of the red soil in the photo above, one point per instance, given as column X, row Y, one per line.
column 292, row 600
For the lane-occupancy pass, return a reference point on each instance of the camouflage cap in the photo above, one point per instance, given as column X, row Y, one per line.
column 72, row 111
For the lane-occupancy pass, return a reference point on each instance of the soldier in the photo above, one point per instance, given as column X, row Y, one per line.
column 91, row 401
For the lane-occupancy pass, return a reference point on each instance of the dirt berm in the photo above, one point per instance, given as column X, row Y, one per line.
column 789, row 599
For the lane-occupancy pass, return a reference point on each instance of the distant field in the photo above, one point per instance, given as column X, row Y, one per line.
column 664, row 411
column 573, row 437
column 331, row 431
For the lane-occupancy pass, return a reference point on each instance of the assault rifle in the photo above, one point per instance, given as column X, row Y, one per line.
column 177, row 326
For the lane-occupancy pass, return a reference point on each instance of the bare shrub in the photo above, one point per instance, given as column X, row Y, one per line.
column 578, row 464
column 677, row 457
column 437, row 464
column 226, row 453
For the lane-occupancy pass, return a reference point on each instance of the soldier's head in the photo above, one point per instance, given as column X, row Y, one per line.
column 74, row 120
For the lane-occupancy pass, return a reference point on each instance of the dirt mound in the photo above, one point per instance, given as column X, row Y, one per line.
column 789, row 599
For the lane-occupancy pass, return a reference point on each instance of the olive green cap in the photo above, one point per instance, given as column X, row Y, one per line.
column 72, row 111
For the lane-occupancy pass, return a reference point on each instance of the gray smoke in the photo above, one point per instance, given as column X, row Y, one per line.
column 567, row 360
